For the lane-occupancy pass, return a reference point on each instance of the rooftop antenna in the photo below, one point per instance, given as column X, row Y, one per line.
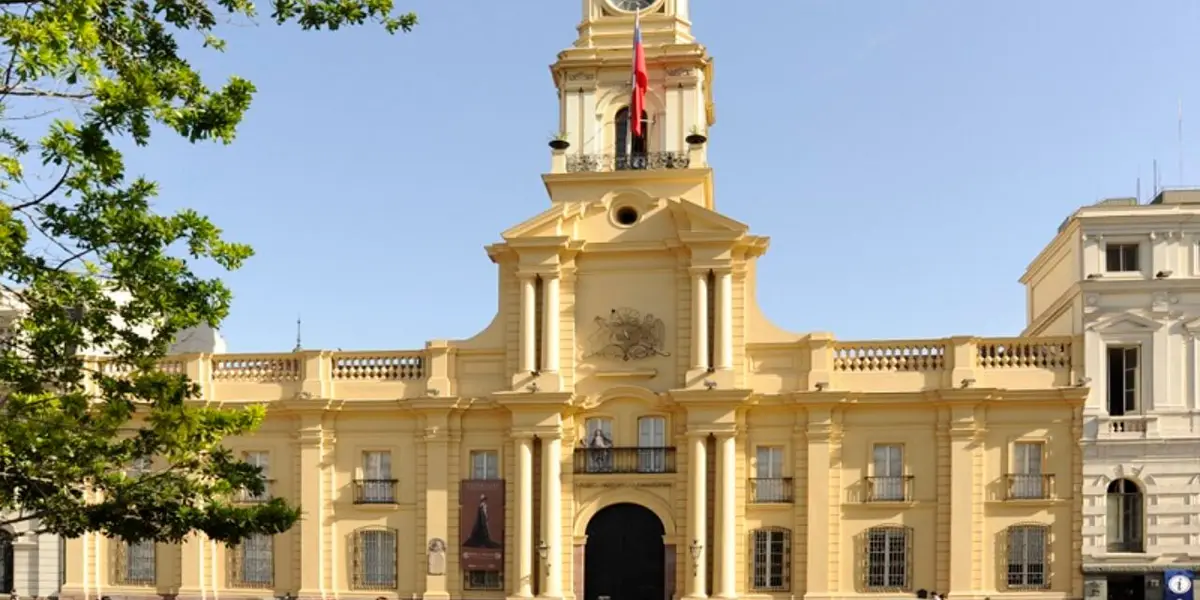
column 1139, row 189
column 1180, row 132
column 1156, row 178
column 298, row 347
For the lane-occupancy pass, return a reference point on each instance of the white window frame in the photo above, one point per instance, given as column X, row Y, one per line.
column 485, row 464
column 771, row 559
column 1028, row 469
column 652, row 443
column 770, row 478
column 888, row 483
column 1143, row 257
column 261, row 459
column 378, row 485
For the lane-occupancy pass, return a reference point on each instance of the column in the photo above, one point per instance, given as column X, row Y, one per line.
column 312, row 533
column 524, row 517
column 727, row 519
column 699, row 320
column 550, row 321
column 528, row 325
column 697, row 471
column 552, row 514
column 724, row 321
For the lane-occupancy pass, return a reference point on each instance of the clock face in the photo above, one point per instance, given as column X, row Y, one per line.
column 632, row 5
column 1179, row 584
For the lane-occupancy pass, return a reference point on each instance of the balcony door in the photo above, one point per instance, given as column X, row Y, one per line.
column 652, row 443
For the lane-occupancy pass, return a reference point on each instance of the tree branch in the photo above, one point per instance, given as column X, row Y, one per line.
column 48, row 193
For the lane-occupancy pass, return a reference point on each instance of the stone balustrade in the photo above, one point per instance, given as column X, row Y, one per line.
column 813, row 363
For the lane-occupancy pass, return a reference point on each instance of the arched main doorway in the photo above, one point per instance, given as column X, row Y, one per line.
column 625, row 557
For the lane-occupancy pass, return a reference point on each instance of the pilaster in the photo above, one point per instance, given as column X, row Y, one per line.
column 552, row 587
column 522, row 581
column 192, row 571
column 697, row 501
column 310, row 445
column 437, row 490
column 727, row 521
column 962, row 431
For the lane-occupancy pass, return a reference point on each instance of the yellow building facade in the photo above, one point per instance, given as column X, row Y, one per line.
column 630, row 426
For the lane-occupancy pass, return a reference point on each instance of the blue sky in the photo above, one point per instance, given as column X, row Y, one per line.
column 908, row 158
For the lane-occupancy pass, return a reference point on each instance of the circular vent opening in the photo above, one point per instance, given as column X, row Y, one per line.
column 626, row 215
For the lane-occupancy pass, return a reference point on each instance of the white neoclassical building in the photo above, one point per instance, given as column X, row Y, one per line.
column 1127, row 276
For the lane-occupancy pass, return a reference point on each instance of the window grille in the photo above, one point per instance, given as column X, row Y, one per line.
column 483, row 580
column 135, row 563
column 772, row 559
column 1027, row 556
column 375, row 559
column 252, row 563
column 888, row 559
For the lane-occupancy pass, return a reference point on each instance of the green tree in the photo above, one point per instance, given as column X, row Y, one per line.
column 89, row 264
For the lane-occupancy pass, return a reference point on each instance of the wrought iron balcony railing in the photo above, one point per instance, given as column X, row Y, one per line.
column 642, row 161
column 375, row 491
column 896, row 488
column 624, row 460
column 771, row 490
column 1026, row 486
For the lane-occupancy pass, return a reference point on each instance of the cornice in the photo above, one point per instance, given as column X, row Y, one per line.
column 1061, row 238
column 532, row 400
column 711, row 397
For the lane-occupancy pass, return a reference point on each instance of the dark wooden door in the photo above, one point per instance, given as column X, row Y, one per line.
column 625, row 557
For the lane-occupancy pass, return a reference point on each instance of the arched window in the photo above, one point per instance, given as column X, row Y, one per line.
column 623, row 133
column 1126, row 508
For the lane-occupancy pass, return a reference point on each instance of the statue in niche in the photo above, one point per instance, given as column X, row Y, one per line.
column 628, row 335
column 437, row 556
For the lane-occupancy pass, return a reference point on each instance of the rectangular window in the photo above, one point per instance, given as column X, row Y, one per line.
column 1121, row 258
column 262, row 460
column 652, row 443
column 1027, row 477
column 888, row 481
column 483, row 580
column 1027, row 556
column 375, row 560
column 772, row 560
column 253, row 562
column 485, row 464
column 888, row 550
column 378, row 487
column 136, row 564
column 769, row 484
column 1124, row 374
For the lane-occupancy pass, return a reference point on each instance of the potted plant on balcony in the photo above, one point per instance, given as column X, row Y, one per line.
column 559, row 141
column 696, row 137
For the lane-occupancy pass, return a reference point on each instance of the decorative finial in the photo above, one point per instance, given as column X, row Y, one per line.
column 298, row 347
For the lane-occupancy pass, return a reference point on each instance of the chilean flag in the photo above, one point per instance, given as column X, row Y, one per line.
column 641, row 78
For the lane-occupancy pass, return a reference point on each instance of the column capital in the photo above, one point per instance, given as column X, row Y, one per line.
column 521, row 434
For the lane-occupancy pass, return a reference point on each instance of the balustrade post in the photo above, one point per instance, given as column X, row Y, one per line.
column 961, row 361
column 697, row 156
column 820, row 360
column 558, row 161
column 316, row 373
column 438, row 368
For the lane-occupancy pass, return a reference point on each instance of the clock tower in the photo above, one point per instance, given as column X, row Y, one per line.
column 594, row 83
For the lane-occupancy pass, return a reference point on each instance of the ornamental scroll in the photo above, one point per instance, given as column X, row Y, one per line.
column 628, row 335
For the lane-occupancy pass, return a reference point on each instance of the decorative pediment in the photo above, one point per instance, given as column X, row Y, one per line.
column 620, row 392
column 1125, row 322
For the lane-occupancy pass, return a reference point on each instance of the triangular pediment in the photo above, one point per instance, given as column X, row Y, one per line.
column 664, row 219
column 1125, row 321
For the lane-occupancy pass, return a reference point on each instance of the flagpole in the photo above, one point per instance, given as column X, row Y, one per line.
column 637, row 15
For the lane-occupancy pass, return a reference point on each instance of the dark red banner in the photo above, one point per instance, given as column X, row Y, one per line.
column 481, row 524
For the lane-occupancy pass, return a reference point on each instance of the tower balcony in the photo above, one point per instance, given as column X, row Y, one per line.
column 642, row 161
